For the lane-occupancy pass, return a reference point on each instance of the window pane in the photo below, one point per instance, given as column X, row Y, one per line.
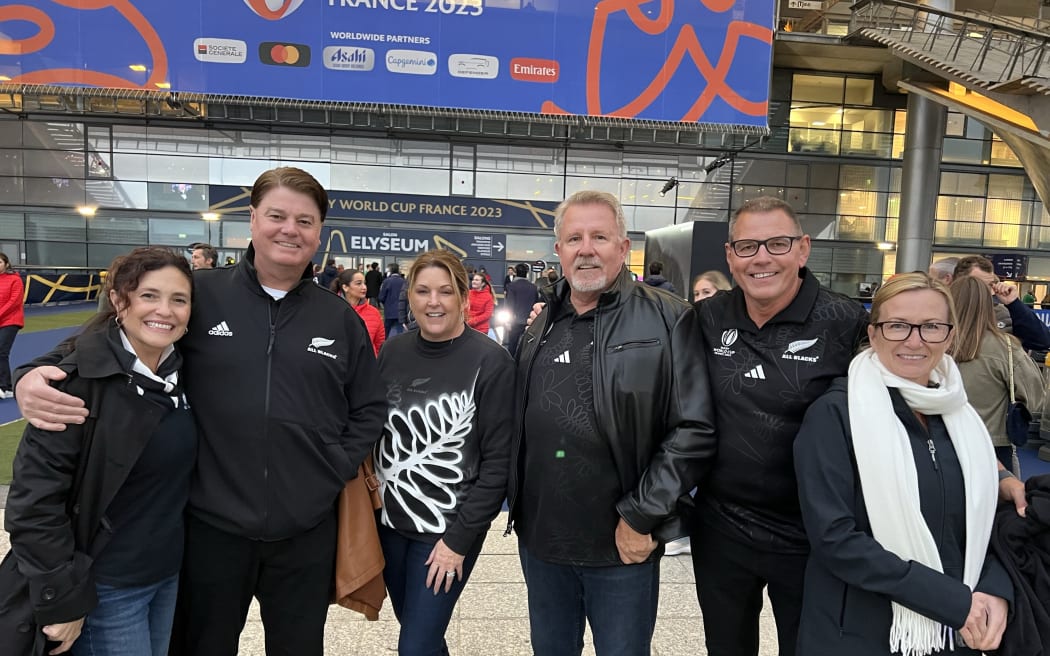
column 859, row 91
column 12, row 226
column 177, row 196
column 960, row 209
column 10, row 162
column 572, row 185
column 355, row 177
column 229, row 171
column 521, row 187
column 963, row 184
column 56, row 227
column 178, row 168
column 430, row 182
column 595, row 163
column 178, row 232
column 102, row 255
column 819, row 88
column 359, row 150
column 54, row 253
column 867, row 144
column 1003, row 155
column 955, row 125
column 117, row 230
column 958, row 233
column 963, row 151
column 1005, row 186
column 1000, row 210
column 12, row 191
column 63, row 192
column 111, row 193
column 236, row 234
column 54, row 136
column 519, row 159
column 58, row 163
column 805, row 140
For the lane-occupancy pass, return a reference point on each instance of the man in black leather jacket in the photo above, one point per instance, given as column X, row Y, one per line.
column 595, row 477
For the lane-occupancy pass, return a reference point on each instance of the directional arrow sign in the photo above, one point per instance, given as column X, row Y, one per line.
column 498, row 246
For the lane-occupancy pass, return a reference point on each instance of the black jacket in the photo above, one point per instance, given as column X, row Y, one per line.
column 46, row 578
column 519, row 297
column 373, row 281
column 850, row 577
column 286, row 397
column 635, row 401
column 1023, row 546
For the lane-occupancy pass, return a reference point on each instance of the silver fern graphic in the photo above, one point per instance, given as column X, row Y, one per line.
column 801, row 345
column 418, row 461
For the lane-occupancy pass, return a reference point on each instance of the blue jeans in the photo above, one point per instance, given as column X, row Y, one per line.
column 619, row 601
column 129, row 621
column 424, row 616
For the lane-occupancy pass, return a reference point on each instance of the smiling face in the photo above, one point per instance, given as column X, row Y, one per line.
column 286, row 232
column 769, row 282
column 356, row 291
column 437, row 307
column 590, row 247
column 703, row 289
column 912, row 359
column 477, row 282
column 156, row 312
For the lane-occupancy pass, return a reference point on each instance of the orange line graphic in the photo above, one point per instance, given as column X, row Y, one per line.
column 159, row 72
column 686, row 43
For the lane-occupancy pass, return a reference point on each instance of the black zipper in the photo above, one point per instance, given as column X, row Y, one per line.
column 512, row 480
column 842, row 610
column 630, row 345
column 272, row 315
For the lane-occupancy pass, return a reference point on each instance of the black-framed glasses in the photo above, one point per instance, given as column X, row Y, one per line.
column 774, row 245
column 898, row 331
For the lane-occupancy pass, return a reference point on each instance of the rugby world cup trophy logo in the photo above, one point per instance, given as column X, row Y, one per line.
column 273, row 9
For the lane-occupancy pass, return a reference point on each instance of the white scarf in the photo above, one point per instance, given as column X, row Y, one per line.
column 889, row 481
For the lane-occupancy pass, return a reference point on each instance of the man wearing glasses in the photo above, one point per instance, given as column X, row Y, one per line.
column 772, row 345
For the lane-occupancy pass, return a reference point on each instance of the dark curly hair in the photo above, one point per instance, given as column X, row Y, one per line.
column 126, row 272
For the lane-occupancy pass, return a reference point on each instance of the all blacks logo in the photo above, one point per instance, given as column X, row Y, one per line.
column 728, row 339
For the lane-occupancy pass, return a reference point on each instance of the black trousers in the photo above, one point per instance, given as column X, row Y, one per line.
column 221, row 572
column 730, row 575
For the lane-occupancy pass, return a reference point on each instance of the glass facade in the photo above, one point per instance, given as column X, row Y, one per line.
column 834, row 154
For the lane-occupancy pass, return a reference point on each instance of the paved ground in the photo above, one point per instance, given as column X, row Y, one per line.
column 491, row 618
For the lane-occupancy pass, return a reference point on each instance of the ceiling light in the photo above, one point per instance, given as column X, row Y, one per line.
column 86, row 210
column 138, row 68
column 163, row 85
column 885, row 246
column 210, row 216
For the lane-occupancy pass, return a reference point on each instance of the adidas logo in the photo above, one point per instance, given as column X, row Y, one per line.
column 563, row 358
column 221, row 330
column 757, row 373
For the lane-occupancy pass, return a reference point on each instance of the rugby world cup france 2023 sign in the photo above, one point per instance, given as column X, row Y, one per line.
column 693, row 61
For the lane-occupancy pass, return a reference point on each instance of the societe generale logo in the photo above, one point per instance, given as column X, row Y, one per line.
column 529, row 69
column 220, row 51
column 273, row 9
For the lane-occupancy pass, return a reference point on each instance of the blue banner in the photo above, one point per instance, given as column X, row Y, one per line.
column 408, row 243
column 705, row 61
column 455, row 210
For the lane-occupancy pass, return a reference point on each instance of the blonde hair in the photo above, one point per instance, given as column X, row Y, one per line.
column 909, row 282
column 976, row 317
column 447, row 262
column 717, row 279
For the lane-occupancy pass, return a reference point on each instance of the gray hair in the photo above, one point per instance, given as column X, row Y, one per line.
column 945, row 268
column 591, row 197
column 762, row 205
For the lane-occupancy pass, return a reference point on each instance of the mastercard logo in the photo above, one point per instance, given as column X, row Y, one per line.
column 276, row 53
column 273, row 9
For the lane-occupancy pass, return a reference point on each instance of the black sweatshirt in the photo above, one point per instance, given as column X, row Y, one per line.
column 443, row 456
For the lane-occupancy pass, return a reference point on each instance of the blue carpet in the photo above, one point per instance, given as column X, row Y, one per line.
column 26, row 347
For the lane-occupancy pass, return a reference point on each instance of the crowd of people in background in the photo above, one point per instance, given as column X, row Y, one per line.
column 189, row 448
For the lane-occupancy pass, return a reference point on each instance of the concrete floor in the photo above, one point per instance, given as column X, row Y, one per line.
column 491, row 618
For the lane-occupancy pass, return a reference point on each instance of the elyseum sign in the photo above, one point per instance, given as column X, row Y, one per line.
column 692, row 61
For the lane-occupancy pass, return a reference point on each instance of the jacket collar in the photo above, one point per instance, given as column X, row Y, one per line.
column 94, row 356
column 798, row 311
column 246, row 268
column 558, row 293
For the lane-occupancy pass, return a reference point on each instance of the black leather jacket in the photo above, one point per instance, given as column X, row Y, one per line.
column 636, row 400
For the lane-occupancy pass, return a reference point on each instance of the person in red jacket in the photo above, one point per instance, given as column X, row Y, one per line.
column 350, row 284
column 481, row 304
column 12, row 318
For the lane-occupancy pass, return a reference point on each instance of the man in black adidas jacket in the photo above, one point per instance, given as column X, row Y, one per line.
column 771, row 345
column 281, row 376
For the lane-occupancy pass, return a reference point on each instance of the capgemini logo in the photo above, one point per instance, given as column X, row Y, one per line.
column 273, row 9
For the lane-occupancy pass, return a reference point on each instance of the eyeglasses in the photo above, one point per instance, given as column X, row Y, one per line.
column 774, row 245
column 899, row 331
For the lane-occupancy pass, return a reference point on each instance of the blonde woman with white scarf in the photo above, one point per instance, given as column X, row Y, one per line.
column 897, row 483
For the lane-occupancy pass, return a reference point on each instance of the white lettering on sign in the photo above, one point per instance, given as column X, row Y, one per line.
column 815, row 5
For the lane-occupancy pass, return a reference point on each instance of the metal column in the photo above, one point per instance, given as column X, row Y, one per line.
column 920, row 183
